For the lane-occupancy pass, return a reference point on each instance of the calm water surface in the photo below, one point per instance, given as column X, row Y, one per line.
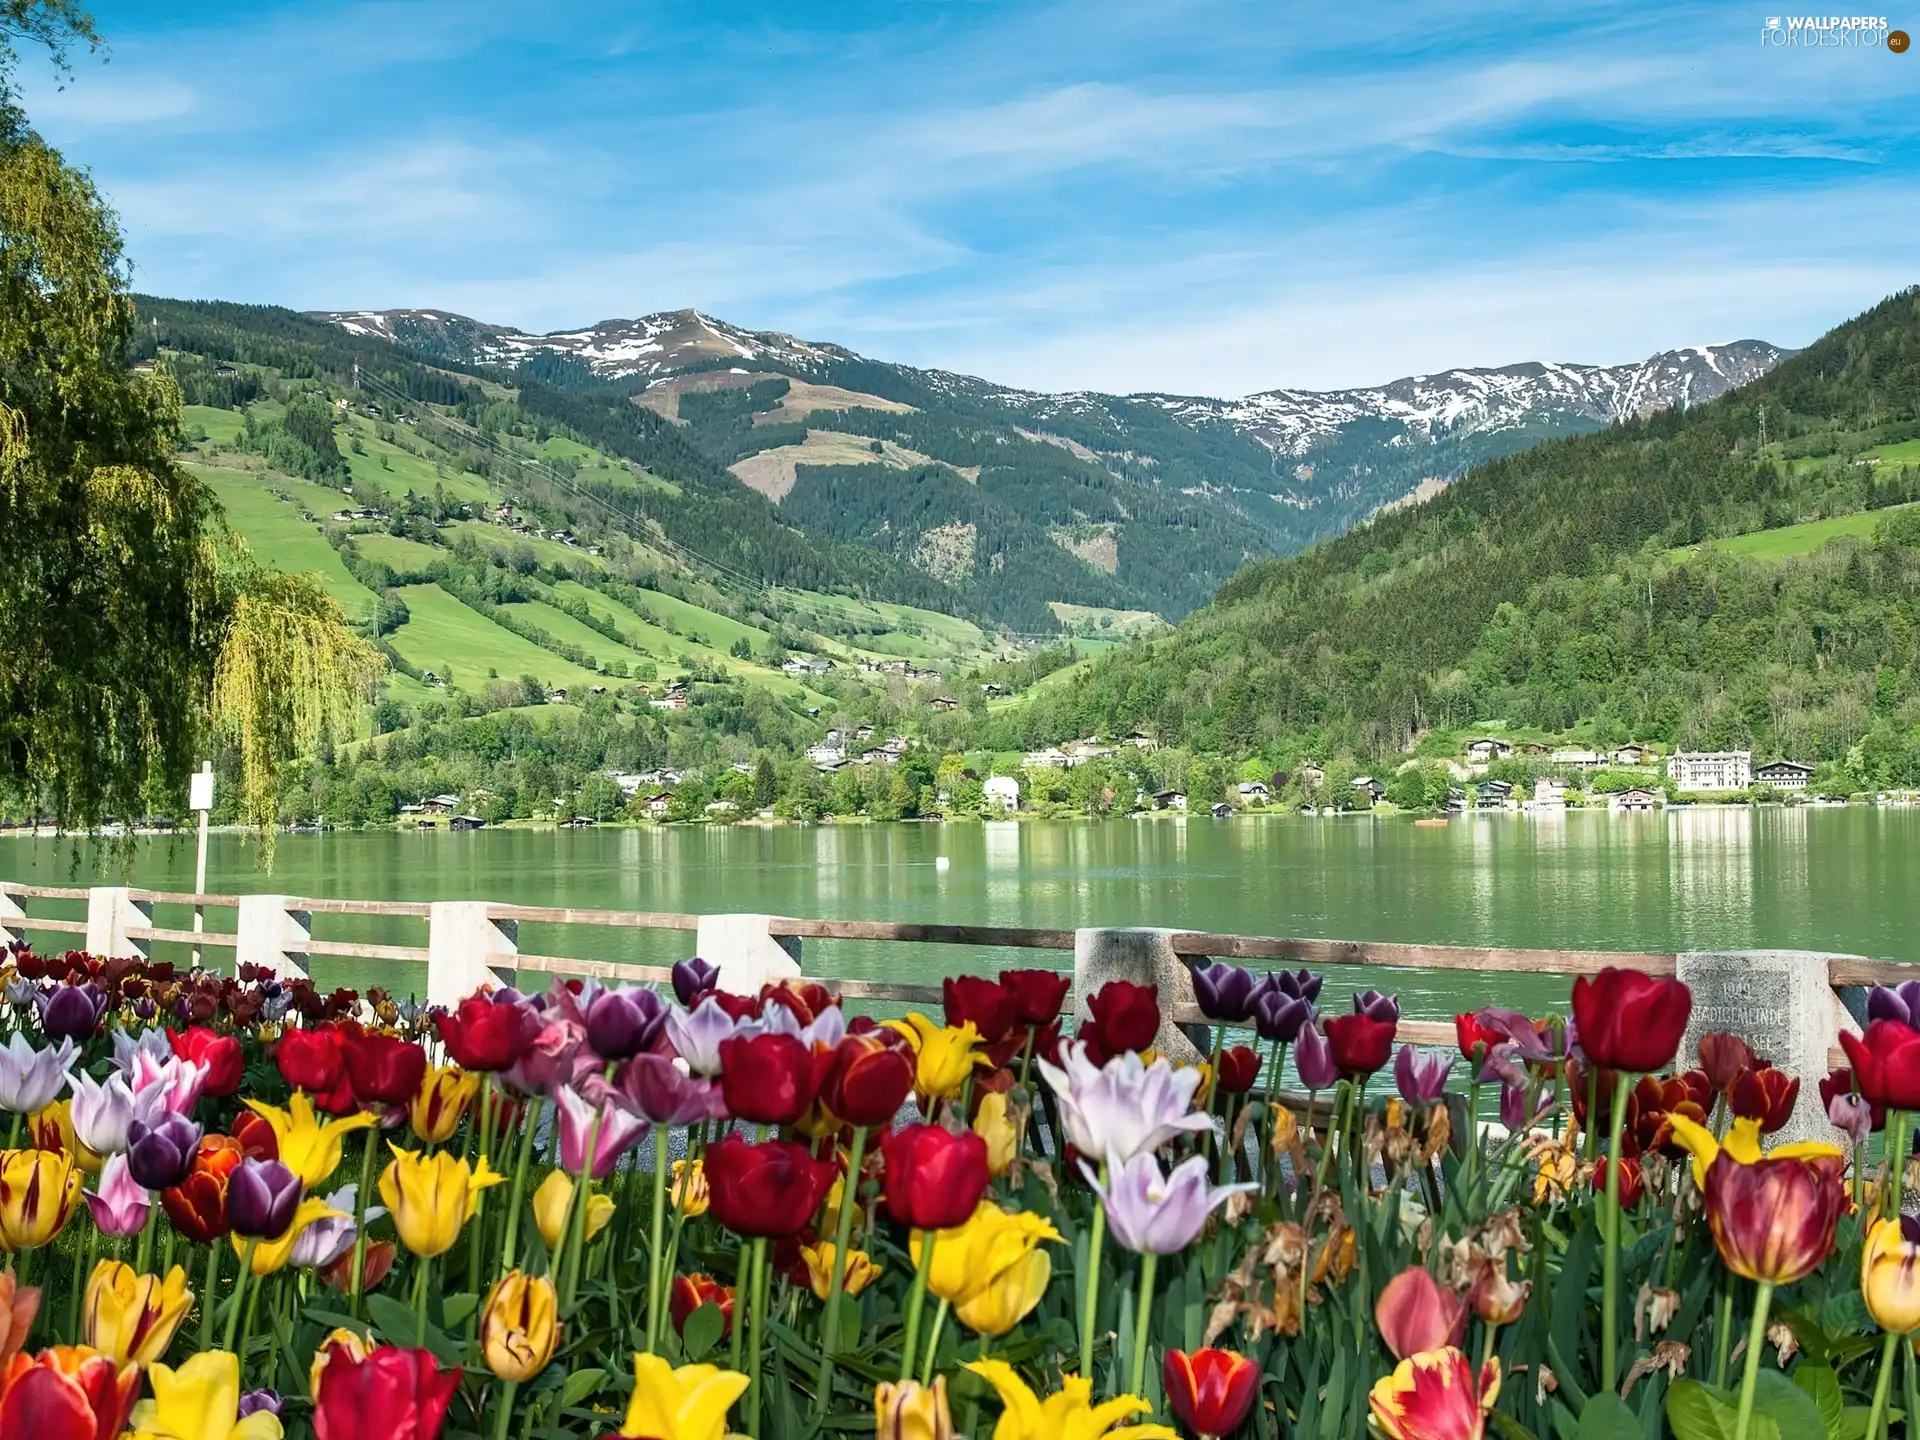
column 1846, row 880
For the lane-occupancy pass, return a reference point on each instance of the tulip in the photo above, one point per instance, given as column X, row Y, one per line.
column 439, row 1105
column 1773, row 1220
column 1067, row 1414
column 1313, row 1058
column 325, row 1241
column 1630, row 1021
column 991, row 1269
column 1360, row 1043
column 1280, row 1017
column 1894, row 1002
column 1420, row 1078
column 623, row 1022
column 519, row 1326
column 133, row 1317
column 255, row 1136
column 198, row 1204
column 991, row 1124
column 693, row 978
column 1766, row 1095
column 1157, row 1214
column 696, row 1035
column 909, row 1410
column 382, row 1071
column 661, row 1090
column 859, row 1273
column 102, row 1111
column 1239, row 1068
column 270, row 1254
column 1211, row 1391
column 610, row 1129
column 127, row 1048
column 688, row 1403
column 1127, row 1015
column 38, row 1192
column 1476, row 1037
column 313, row 1061
column 689, row 1189
column 1631, row 1181
column 120, row 1206
column 767, row 1190
column 1037, row 994
column 690, row 1292
column 1224, row 993
column 72, row 1012
column 431, row 1196
column 67, row 1392
column 261, row 1198
column 1851, row 1115
column 944, row 1056
column 1886, row 1064
column 985, row 1004
column 1435, row 1395
column 484, row 1034
column 222, row 1055
column 201, row 1400
column 394, row 1392
column 19, row 1305
column 30, row 1078
column 374, row 1265
column 1493, row 1298
column 1724, row 1058
column 308, row 1146
column 1890, row 1274
column 1416, row 1313
column 933, row 1177
column 1124, row 1107
column 340, row 1344
column 553, row 1202
column 255, row 1402
column 868, row 1081
column 1742, row 1143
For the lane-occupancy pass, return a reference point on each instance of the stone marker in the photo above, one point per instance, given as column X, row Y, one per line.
column 1144, row 957
column 748, row 954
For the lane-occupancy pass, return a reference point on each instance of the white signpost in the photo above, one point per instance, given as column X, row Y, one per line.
column 200, row 797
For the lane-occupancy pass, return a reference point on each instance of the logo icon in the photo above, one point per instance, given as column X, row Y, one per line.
column 1897, row 41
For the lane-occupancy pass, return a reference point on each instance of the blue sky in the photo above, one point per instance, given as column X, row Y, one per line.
column 1172, row 195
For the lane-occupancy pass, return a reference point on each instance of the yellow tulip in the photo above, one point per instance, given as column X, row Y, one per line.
column 520, row 1326
column 130, row 1316
column 348, row 1342
column 52, row 1129
column 945, row 1055
column 690, row 1195
column 308, row 1146
column 992, row 1125
column 911, row 1411
column 431, row 1196
column 690, row 1403
column 38, row 1190
column 270, row 1256
column 1890, row 1277
column 200, row 1401
column 836, row 1193
column 861, row 1271
column 1742, row 1143
column 1067, row 1414
column 552, row 1201
column 445, row 1093
column 991, row 1269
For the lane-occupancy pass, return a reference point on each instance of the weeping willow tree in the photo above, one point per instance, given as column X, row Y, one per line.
column 135, row 631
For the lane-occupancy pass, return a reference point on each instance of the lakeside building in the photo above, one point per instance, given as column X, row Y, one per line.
column 1638, row 797
column 1710, row 769
column 1784, row 775
column 1002, row 792
column 1548, row 794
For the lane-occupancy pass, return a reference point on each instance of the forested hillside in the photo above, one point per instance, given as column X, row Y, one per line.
column 1578, row 583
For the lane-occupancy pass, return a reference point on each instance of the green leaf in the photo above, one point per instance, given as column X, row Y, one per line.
column 1606, row 1417
column 1823, row 1387
column 702, row 1331
column 393, row 1320
column 1696, row 1412
column 1790, row 1407
column 580, row 1384
column 454, row 1309
column 1510, row 1428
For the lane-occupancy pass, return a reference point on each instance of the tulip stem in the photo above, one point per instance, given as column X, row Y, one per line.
column 1878, row 1413
column 582, row 1201
column 503, row 1419
column 933, row 1341
column 531, row 1124
column 656, row 1256
column 420, row 1301
column 476, row 1223
column 742, row 1304
column 757, row 1301
column 207, row 1293
column 1756, row 1342
column 145, row 1254
column 1723, row 1336
column 916, row 1302
column 360, row 1221
column 1142, row 1315
column 239, row 1292
column 1912, row 1383
column 842, row 1237
column 1610, row 1293
column 1890, row 1195
column 1087, row 1323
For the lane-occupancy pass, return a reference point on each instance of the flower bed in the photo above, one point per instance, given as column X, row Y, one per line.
column 239, row 1208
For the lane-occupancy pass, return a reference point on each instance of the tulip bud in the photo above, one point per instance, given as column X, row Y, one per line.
column 160, row 1155
column 1495, row 1299
column 520, row 1326
column 130, row 1316
column 911, row 1411
column 1890, row 1274
column 554, row 1200
column 439, row 1105
column 692, row 978
column 860, row 1270
column 1212, row 1391
column 261, row 1198
column 690, row 1292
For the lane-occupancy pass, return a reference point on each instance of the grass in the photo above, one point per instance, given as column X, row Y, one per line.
column 550, row 552
column 222, row 426
column 403, row 556
column 279, row 537
column 404, row 471
column 661, row 645
column 444, row 636
column 569, row 631
column 1122, row 623
column 1802, row 539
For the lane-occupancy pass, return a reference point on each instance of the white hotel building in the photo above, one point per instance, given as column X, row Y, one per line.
column 1710, row 769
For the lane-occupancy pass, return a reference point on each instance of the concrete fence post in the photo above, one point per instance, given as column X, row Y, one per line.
column 111, row 913
column 1144, row 957
column 13, row 917
column 270, row 935
column 748, row 953
column 468, row 948
column 1782, row 1003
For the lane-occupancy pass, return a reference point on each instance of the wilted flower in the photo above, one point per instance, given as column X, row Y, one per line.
column 1421, row 1076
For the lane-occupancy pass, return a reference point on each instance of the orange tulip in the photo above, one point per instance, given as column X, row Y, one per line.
column 66, row 1393
column 1435, row 1396
column 1415, row 1313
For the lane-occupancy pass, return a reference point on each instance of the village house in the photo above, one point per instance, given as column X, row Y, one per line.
column 1578, row 759
column 440, row 805
column 1051, row 758
column 658, row 804
column 1169, row 799
column 1312, row 775
column 1488, row 749
column 1003, row 793
column 1784, row 775
column 1638, row 797
column 1710, row 769
column 1254, row 792
column 1632, row 754
column 1493, row 794
column 993, row 691
column 1140, row 740
column 944, row 702
column 1548, row 794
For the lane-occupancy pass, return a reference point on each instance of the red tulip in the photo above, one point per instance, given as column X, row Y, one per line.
column 771, row 1189
column 198, row 1204
column 1435, row 1395
column 990, row 1007
column 1630, row 1021
column 1239, row 1068
column 1886, row 1064
column 1415, row 1313
column 373, row 1268
column 1632, row 1181
column 394, row 1393
column 1360, row 1044
column 482, row 1034
column 255, row 1136
column 868, row 1082
column 1211, row 1391
column 1127, row 1015
column 381, row 1069
column 1723, row 1058
column 1764, row 1094
column 1037, row 994
column 223, row 1056
column 934, row 1178
column 690, row 1292
column 311, row 1060
column 67, row 1392
column 771, row 1079
column 1476, row 1040
column 1652, row 1104
column 1775, row 1219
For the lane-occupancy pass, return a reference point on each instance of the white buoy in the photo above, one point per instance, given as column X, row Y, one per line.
column 941, row 862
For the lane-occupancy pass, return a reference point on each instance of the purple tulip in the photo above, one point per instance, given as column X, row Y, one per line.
column 1853, row 1115
column 1513, row 1106
column 121, row 1204
column 254, row 1401
column 170, row 1084
column 658, row 1088
column 1279, row 1016
column 261, row 1198
column 619, row 1128
column 1894, row 1002
column 1225, row 993
column 102, row 1111
column 325, row 1240
column 1123, row 1108
column 1421, row 1077
column 30, row 1078
column 1376, row 1006
column 127, row 1049
column 1313, row 1058
column 1155, row 1214
column 1300, row 984
column 72, row 1012
column 622, row 1023
column 696, row 1035
column 160, row 1153
column 693, row 978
